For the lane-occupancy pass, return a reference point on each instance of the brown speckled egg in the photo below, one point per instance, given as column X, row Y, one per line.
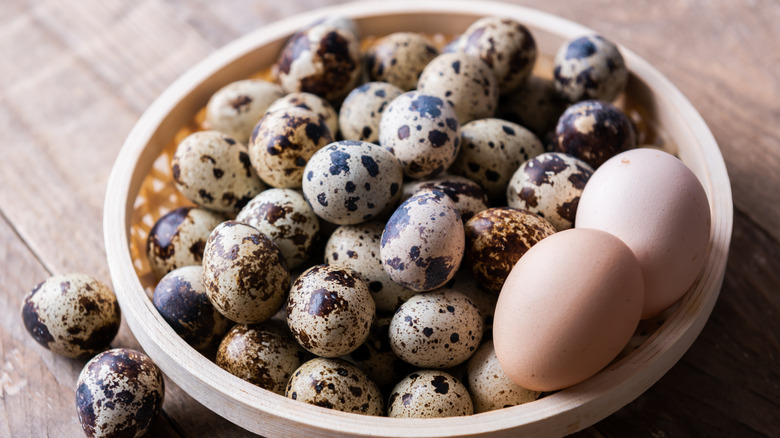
column 262, row 354
column 335, row 384
column 594, row 131
column 465, row 283
column 496, row 239
column 311, row 102
column 422, row 131
column 589, row 67
column 282, row 143
column 118, row 394
column 489, row 386
column 181, row 299
column 350, row 182
column 244, row 272
column 178, row 238
column 285, row 217
column 330, row 310
column 550, row 185
column 429, row 394
column 357, row 247
column 423, row 241
column 377, row 359
column 362, row 110
column 235, row 108
column 399, row 58
column 468, row 196
column 214, row 171
column 436, row 329
column 465, row 81
column 534, row 105
column 491, row 152
column 505, row 45
column 71, row 314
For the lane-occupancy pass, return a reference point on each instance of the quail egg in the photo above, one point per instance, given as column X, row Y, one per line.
column 429, row 394
column 377, row 358
column 362, row 109
column 490, row 387
column 465, row 283
column 468, row 196
column 399, row 58
column 589, row 67
column 311, row 102
column 534, row 105
column 235, row 108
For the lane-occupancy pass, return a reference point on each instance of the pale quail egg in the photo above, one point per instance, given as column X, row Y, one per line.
column 377, row 358
column 468, row 196
column 362, row 109
column 534, row 105
column 311, row 102
column 465, row 283
column 235, row 108
column 490, row 387
column 589, row 67
column 399, row 58
column 429, row 394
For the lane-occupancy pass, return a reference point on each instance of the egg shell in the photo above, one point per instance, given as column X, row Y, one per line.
column 244, row 273
column 214, row 171
column 362, row 110
column 568, row 307
column 656, row 205
column 73, row 315
column 311, row 102
column 534, row 105
column 423, row 241
column 349, row 182
column 422, row 131
column 330, row 310
column 437, row 329
column 335, row 384
column 489, row 386
column 429, row 394
column 465, row 283
column 550, row 185
column 589, row 67
column 119, row 393
column 377, row 359
column 235, row 108
column 399, row 58
column 468, row 196
column 263, row 354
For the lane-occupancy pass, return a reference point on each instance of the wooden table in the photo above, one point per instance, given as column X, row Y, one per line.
column 75, row 76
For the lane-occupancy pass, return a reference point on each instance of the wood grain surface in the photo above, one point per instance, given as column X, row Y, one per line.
column 75, row 76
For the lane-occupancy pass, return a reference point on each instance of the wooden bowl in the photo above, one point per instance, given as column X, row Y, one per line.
column 681, row 130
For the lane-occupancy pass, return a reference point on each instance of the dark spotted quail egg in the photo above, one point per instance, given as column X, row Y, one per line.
column 357, row 247
column 335, row 384
column 235, row 108
column 349, row 181
column 311, row 102
column 534, row 105
column 330, row 310
column 589, row 67
column 489, row 386
column 119, row 393
column 423, row 241
column 213, row 171
column 178, row 238
column 550, row 185
column 362, row 109
column 181, row 299
column 429, row 394
column 377, row 358
column 282, row 143
column 285, row 217
column 244, row 273
column 491, row 152
column 422, row 131
column 399, row 58
column 594, row 131
column 468, row 196
column 437, row 329
column 262, row 354
column 72, row 314
column 496, row 238
column 464, row 81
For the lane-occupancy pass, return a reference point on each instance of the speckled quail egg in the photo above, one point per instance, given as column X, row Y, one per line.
column 330, row 310
column 496, row 238
column 399, row 58
column 119, row 393
column 178, row 238
column 489, row 386
column 357, row 247
column 550, row 185
column 235, row 108
column 505, row 45
column 282, row 143
column 349, row 181
column 311, row 102
column 262, row 354
column 285, row 217
column 589, row 67
column 71, row 314
column 423, row 241
column 465, row 283
column 534, row 105
column 437, row 329
column 377, row 359
column 422, row 131
column 244, row 272
column 594, row 131
column 468, row 196
column 491, row 152
column 465, row 81
column 213, row 171
column 181, row 299
column 335, row 384
column 429, row 394
column 362, row 109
